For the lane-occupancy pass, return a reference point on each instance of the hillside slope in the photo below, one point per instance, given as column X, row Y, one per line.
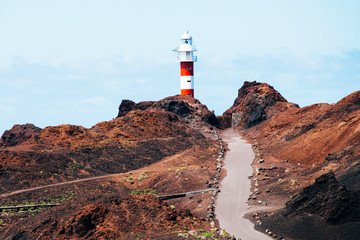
column 315, row 134
column 155, row 150
column 296, row 146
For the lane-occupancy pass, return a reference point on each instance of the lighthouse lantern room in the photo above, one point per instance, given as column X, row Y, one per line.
column 185, row 55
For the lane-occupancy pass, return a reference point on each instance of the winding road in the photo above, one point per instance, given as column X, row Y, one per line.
column 231, row 203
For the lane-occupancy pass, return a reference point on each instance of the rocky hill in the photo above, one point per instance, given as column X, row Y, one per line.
column 314, row 134
column 257, row 102
column 294, row 147
column 150, row 148
column 102, row 182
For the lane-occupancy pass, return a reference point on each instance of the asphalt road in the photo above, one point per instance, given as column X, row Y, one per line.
column 231, row 202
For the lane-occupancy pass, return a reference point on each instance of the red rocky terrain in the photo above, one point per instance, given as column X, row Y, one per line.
column 151, row 149
column 306, row 182
column 294, row 147
column 257, row 102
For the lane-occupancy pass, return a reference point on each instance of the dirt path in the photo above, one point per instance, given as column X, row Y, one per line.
column 231, row 203
column 58, row 184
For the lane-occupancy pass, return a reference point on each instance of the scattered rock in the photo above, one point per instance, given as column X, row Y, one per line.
column 192, row 233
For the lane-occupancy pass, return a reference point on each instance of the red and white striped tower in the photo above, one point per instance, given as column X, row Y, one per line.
column 185, row 55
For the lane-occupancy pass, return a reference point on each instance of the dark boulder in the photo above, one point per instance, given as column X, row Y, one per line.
column 179, row 108
column 185, row 107
column 327, row 199
column 18, row 134
column 128, row 105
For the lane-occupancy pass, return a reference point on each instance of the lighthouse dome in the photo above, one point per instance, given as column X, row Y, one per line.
column 186, row 35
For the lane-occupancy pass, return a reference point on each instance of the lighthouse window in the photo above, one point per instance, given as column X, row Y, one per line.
column 188, row 68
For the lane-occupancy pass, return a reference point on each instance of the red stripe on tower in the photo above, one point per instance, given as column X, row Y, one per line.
column 187, row 68
column 185, row 55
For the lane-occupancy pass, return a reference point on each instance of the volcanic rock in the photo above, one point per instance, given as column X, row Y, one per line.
column 128, row 105
column 85, row 220
column 185, row 107
column 327, row 199
column 119, row 219
column 325, row 210
column 18, row 134
column 314, row 134
column 257, row 102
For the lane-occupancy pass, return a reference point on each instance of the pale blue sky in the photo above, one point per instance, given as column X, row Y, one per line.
column 74, row 61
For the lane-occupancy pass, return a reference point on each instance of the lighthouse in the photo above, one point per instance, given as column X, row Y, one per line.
column 185, row 55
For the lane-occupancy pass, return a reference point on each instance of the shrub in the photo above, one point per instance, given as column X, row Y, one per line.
column 141, row 192
column 208, row 235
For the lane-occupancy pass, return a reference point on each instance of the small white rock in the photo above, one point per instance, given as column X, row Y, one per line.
column 192, row 232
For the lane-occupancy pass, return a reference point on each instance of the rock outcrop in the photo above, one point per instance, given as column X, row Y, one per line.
column 18, row 134
column 325, row 210
column 185, row 107
column 327, row 199
column 255, row 103
column 128, row 105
